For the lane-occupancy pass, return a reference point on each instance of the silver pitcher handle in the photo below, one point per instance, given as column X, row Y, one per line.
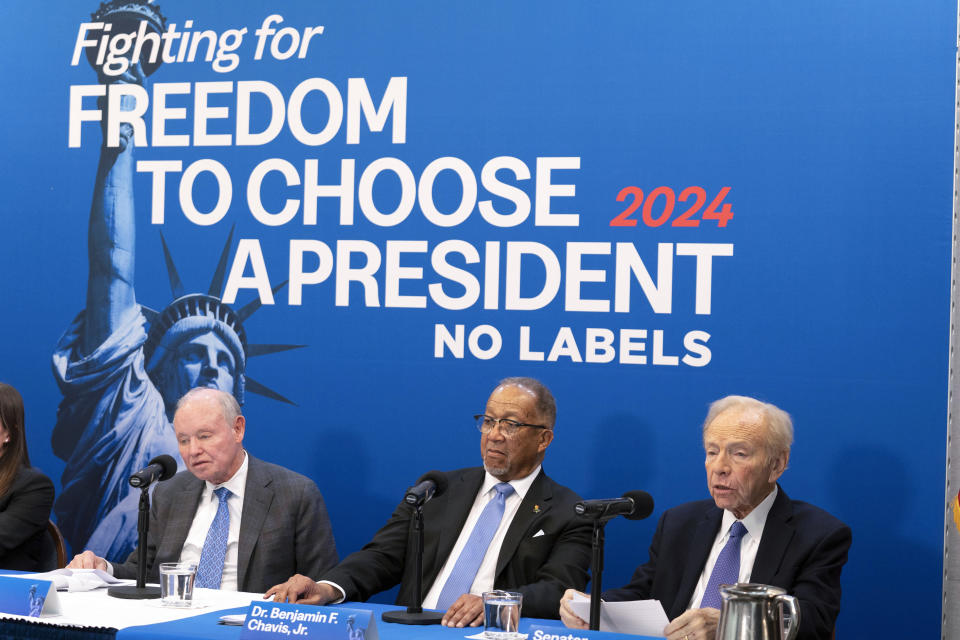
column 791, row 610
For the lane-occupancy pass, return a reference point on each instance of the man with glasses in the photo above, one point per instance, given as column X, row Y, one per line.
column 505, row 525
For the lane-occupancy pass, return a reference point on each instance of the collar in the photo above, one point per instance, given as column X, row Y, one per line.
column 754, row 520
column 520, row 485
column 236, row 484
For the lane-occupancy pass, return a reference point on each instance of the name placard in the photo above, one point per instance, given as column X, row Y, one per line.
column 541, row 632
column 282, row 620
column 28, row 596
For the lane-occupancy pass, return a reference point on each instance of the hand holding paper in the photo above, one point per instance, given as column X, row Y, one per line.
column 641, row 617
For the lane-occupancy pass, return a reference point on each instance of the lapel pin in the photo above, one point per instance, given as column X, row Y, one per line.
column 536, row 508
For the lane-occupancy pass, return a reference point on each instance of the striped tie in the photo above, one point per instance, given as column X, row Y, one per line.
column 465, row 570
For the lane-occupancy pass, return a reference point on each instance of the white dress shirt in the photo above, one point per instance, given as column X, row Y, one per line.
column 203, row 518
column 749, row 544
column 485, row 574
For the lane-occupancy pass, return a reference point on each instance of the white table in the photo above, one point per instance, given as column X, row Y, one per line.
column 95, row 609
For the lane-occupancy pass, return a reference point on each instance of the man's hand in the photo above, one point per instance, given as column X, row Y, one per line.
column 466, row 611
column 302, row 589
column 87, row 560
column 695, row 624
column 567, row 615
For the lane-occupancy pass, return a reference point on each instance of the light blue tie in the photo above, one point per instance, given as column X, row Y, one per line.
column 727, row 568
column 465, row 570
column 210, row 569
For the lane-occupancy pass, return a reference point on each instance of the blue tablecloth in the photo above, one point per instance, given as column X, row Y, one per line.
column 204, row 626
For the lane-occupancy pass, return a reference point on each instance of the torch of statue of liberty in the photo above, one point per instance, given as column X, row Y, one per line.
column 121, row 366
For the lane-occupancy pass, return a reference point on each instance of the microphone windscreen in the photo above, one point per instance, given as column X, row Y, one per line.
column 168, row 464
column 642, row 505
column 439, row 478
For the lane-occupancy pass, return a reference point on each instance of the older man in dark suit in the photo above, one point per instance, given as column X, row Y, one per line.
column 504, row 526
column 749, row 532
column 246, row 523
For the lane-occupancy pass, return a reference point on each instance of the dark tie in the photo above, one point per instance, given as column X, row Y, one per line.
column 465, row 570
column 727, row 568
column 210, row 568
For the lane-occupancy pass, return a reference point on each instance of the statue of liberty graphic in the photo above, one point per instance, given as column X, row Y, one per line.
column 36, row 602
column 355, row 632
column 122, row 366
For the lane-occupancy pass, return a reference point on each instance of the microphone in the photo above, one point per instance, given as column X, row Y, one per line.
column 163, row 467
column 430, row 484
column 634, row 505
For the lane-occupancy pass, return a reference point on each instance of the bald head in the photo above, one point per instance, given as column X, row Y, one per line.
column 209, row 430
column 546, row 406
column 228, row 404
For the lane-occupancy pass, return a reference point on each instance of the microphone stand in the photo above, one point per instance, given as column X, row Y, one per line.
column 596, row 573
column 140, row 591
column 415, row 614
column 601, row 512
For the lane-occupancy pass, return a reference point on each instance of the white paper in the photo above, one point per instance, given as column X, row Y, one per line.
column 78, row 579
column 639, row 617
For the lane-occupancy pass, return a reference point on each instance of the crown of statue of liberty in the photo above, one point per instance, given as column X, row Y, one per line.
column 134, row 10
column 125, row 16
column 194, row 314
column 189, row 315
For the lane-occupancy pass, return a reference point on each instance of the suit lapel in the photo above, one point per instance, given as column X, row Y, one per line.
column 460, row 496
column 535, row 505
column 700, row 547
column 777, row 533
column 180, row 520
column 256, row 503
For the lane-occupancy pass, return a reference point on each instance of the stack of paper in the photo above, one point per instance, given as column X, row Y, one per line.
column 77, row 579
column 639, row 617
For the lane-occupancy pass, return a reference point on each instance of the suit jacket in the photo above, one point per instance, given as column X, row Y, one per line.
column 540, row 567
column 802, row 550
column 24, row 511
column 284, row 527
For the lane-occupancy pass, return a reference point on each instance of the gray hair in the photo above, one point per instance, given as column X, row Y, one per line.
column 779, row 436
column 546, row 405
column 228, row 403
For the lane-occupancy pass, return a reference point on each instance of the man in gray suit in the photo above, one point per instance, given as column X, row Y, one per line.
column 246, row 523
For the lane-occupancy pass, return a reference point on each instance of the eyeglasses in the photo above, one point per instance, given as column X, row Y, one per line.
column 508, row 427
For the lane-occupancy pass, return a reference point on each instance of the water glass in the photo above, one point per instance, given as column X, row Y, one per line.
column 176, row 583
column 501, row 614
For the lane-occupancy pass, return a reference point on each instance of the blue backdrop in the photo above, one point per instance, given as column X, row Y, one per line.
column 827, row 128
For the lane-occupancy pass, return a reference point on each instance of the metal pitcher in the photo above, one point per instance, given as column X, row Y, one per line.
column 757, row 612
